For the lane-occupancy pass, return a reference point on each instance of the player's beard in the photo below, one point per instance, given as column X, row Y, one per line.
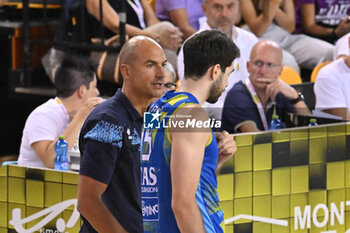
column 216, row 90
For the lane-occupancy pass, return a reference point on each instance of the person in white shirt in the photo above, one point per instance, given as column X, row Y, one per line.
column 342, row 48
column 76, row 87
column 221, row 15
column 332, row 86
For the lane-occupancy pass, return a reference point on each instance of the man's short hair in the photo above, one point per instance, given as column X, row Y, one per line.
column 73, row 72
column 169, row 69
column 206, row 49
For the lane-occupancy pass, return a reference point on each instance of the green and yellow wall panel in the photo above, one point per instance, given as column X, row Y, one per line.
column 292, row 176
column 33, row 190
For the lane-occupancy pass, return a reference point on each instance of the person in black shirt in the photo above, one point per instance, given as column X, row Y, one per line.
column 109, row 182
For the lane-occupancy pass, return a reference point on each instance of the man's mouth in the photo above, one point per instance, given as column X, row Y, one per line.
column 158, row 84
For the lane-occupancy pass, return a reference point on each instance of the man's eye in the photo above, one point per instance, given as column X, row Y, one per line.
column 259, row 63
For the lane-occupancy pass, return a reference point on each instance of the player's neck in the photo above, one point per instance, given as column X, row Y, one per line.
column 196, row 88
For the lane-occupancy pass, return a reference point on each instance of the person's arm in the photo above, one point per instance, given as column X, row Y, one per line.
column 91, row 206
column 342, row 112
column 226, row 146
column 310, row 26
column 167, row 38
column 179, row 18
column 278, row 86
column 111, row 19
column 309, row 23
column 150, row 16
column 285, row 16
column 259, row 23
column 187, row 152
column 248, row 126
column 45, row 149
column 301, row 108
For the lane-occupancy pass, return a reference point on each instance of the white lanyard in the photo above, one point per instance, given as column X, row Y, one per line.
column 258, row 103
column 136, row 5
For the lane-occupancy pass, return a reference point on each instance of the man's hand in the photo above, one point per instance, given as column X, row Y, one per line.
column 278, row 86
column 226, row 146
column 343, row 27
column 270, row 8
column 87, row 107
column 170, row 38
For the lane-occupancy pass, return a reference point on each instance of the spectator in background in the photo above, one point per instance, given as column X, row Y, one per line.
column 249, row 105
column 77, row 93
column 332, row 86
column 328, row 20
column 184, row 14
column 221, row 15
column 170, row 78
column 275, row 20
column 141, row 20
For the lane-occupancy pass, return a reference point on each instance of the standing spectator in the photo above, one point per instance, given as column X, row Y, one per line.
column 332, row 86
column 328, row 20
column 109, row 181
column 184, row 14
column 275, row 20
column 75, row 83
column 221, row 15
column 249, row 105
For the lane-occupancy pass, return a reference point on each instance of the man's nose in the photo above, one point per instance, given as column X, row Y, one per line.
column 160, row 71
column 225, row 12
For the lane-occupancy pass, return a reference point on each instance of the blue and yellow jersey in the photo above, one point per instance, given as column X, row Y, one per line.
column 155, row 172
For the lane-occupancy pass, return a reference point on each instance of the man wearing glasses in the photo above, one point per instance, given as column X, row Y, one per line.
column 170, row 78
column 249, row 105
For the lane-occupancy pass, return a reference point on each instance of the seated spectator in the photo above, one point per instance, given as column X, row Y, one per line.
column 141, row 20
column 221, row 15
column 184, row 14
column 332, row 86
column 75, row 83
column 323, row 19
column 275, row 20
column 249, row 105
column 341, row 47
column 170, row 78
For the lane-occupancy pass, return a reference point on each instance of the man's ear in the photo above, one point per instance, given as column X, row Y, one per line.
column 248, row 64
column 204, row 7
column 81, row 91
column 215, row 72
column 280, row 70
column 125, row 71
